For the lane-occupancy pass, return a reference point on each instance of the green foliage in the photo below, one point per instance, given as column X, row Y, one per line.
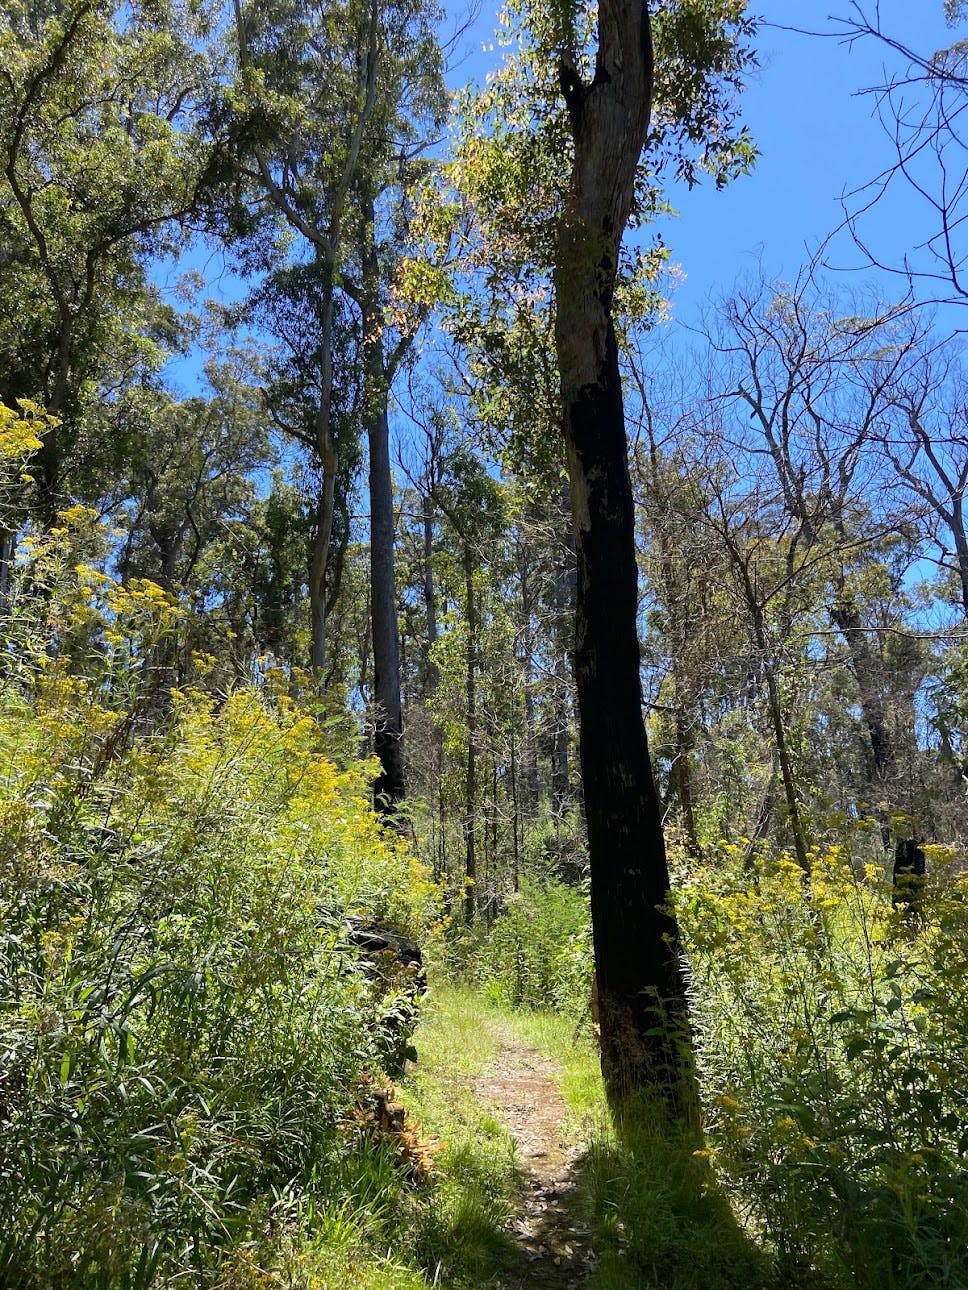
column 182, row 1021
column 19, row 440
column 703, row 56
column 833, row 1039
column 509, row 180
column 654, row 1212
column 189, row 469
column 102, row 167
column 537, row 954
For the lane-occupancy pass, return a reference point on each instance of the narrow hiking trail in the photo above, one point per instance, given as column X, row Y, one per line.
column 519, row 1086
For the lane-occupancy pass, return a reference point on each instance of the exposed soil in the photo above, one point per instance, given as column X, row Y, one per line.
column 519, row 1088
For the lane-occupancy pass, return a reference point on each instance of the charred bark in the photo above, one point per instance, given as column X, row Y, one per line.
column 319, row 563
column 8, row 550
column 531, row 779
column 431, row 670
column 642, row 999
column 390, row 787
column 642, row 995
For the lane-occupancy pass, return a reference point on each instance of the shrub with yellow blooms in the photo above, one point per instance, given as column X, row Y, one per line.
column 833, row 1031
column 183, row 1018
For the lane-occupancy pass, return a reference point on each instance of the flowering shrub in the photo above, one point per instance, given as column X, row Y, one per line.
column 181, row 1023
column 834, row 1051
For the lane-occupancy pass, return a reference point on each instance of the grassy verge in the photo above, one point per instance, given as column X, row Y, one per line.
column 460, row 1237
column 649, row 1201
column 382, row 1232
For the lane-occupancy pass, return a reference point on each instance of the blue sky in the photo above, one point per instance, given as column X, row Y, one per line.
column 817, row 140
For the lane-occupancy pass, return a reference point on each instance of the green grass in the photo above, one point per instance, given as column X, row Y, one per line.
column 655, row 1215
column 659, row 1220
column 648, row 1194
column 461, row 1238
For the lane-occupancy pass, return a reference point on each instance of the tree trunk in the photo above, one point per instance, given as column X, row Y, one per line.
column 8, row 550
column 566, row 597
column 777, row 721
column 682, row 627
column 961, row 547
column 560, row 773
column 431, row 670
column 641, row 988
column 786, row 767
column 531, row 779
column 470, row 783
column 325, row 448
column 642, row 996
column 389, row 789
column 515, row 818
column 682, row 774
column 871, row 691
column 319, row 560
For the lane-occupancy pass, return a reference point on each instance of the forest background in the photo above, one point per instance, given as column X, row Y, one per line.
column 287, row 590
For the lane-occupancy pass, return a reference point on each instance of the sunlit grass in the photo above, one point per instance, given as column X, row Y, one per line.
column 574, row 1050
column 647, row 1193
column 461, row 1237
column 459, row 1031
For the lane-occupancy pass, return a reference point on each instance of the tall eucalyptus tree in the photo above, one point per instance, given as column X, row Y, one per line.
column 684, row 59
column 103, row 161
column 342, row 101
column 551, row 166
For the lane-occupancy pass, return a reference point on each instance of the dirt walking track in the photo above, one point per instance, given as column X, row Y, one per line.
column 520, row 1089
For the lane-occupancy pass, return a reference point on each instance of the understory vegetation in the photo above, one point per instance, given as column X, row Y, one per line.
column 185, row 1026
column 831, row 1028
column 383, row 574
column 194, row 1055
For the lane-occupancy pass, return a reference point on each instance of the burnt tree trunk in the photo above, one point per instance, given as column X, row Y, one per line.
column 775, row 708
column 390, row 787
column 566, row 597
column 8, row 551
column 531, row 779
column 641, row 988
column 682, row 772
column 319, row 562
column 324, row 447
column 682, row 629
